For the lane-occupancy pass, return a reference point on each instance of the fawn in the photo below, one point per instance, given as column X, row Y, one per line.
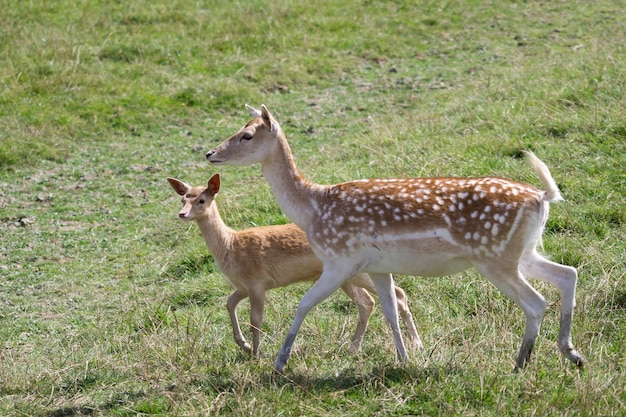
column 258, row 259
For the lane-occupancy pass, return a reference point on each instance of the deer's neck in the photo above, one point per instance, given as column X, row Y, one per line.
column 217, row 236
column 295, row 195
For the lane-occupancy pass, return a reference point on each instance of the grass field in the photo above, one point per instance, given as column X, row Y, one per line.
column 109, row 305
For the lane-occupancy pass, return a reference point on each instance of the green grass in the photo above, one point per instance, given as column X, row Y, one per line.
column 109, row 305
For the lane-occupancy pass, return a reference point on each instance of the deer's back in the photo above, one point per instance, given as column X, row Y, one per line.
column 271, row 256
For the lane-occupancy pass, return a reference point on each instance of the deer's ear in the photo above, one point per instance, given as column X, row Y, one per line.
column 180, row 187
column 214, row 184
column 253, row 112
column 268, row 119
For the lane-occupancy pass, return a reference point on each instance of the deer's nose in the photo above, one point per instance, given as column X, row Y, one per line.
column 209, row 154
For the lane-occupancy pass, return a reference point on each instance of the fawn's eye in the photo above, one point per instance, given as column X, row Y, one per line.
column 201, row 201
column 246, row 136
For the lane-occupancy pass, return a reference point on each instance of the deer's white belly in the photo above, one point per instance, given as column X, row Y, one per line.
column 426, row 253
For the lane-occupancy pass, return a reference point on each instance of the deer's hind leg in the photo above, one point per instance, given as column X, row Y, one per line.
column 363, row 280
column 365, row 304
column 508, row 279
column 564, row 278
column 407, row 317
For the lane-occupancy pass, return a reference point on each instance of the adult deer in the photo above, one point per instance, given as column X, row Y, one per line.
column 415, row 226
column 259, row 259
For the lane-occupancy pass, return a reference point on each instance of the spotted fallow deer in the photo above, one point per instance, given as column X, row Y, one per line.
column 417, row 226
column 259, row 259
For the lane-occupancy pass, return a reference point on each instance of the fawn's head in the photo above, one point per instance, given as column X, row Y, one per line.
column 196, row 200
column 251, row 144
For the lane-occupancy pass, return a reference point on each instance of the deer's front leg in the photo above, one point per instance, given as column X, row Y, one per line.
column 327, row 284
column 231, row 305
column 257, row 306
column 389, row 304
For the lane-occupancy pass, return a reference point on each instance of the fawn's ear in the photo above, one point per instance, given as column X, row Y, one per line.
column 180, row 187
column 253, row 112
column 268, row 119
column 214, row 184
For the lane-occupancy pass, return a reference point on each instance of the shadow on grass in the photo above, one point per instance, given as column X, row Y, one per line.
column 219, row 381
column 350, row 379
column 113, row 403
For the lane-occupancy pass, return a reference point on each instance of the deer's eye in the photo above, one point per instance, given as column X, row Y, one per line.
column 201, row 201
column 246, row 136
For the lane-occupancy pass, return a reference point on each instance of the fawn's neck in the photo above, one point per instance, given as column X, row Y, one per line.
column 217, row 236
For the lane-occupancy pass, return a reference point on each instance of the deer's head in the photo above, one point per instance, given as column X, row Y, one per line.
column 252, row 144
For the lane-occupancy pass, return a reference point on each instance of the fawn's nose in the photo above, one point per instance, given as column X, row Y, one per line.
column 209, row 154
column 182, row 214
